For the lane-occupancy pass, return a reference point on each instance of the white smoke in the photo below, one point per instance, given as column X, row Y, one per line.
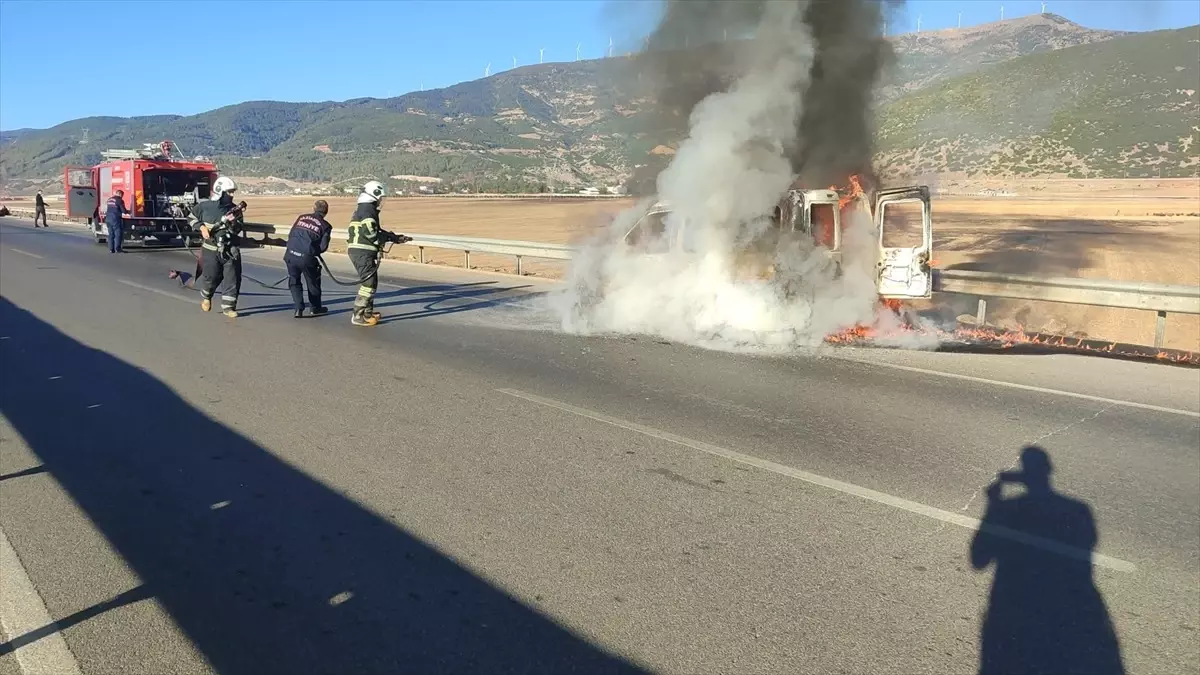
column 722, row 186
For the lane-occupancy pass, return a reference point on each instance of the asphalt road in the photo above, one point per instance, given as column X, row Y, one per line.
column 464, row 489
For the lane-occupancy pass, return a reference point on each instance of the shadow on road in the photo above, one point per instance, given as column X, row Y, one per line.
column 127, row 598
column 1045, row 614
column 429, row 296
column 263, row 567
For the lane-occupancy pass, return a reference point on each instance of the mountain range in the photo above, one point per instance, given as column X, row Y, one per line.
column 1037, row 95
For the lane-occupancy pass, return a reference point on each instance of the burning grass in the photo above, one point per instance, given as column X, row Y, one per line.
column 980, row 338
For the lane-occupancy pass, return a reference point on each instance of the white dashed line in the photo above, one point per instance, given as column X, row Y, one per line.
column 153, row 290
column 1025, row 387
column 56, row 377
column 966, row 522
column 31, row 255
column 94, row 405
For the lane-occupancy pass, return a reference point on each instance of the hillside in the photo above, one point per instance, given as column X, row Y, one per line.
column 1127, row 106
column 937, row 55
column 566, row 124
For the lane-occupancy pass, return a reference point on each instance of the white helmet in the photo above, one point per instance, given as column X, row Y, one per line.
column 222, row 185
column 373, row 191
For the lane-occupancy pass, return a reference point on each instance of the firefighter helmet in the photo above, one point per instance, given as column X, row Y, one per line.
column 222, row 185
column 373, row 191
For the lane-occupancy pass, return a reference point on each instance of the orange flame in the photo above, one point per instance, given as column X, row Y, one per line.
column 1003, row 338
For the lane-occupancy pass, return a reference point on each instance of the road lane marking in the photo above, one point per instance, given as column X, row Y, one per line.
column 22, row 613
column 152, row 290
column 31, row 255
column 1025, row 387
column 1098, row 559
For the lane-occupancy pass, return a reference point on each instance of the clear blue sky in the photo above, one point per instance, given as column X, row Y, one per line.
column 55, row 64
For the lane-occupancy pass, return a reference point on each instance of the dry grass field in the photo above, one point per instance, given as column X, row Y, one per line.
column 1128, row 230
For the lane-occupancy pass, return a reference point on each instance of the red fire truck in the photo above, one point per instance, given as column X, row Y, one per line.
column 160, row 188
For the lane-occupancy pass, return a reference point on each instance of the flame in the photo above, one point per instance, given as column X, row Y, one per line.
column 1005, row 339
column 849, row 194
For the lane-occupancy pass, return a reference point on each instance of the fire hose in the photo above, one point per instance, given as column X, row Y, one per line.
column 174, row 274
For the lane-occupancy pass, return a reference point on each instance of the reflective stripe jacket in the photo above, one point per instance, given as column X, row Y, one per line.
column 209, row 212
column 365, row 232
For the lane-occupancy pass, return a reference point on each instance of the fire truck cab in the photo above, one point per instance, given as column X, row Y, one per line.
column 160, row 189
column 902, row 219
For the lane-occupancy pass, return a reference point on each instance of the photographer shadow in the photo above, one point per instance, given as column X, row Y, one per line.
column 1045, row 613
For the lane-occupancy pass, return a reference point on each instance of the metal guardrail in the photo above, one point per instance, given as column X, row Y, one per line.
column 1159, row 298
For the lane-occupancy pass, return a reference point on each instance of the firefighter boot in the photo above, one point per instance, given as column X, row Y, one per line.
column 231, row 313
column 361, row 318
column 205, row 305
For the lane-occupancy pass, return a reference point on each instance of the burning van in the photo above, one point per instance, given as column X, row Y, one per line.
column 901, row 217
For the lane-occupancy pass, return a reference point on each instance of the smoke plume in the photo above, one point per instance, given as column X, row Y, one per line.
column 787, row 96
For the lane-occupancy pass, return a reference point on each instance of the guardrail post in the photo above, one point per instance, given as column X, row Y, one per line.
column 1160, row 330
column 518, row 265
column 421, row 254
column 981, row 312
column 467, row 264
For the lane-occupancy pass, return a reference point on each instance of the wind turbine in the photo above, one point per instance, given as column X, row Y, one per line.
column 1001, row 12
column 960, row 19
column 918, row 23
column 541, row 55
column 724, row 34
column 487, row 71
column 514, row 62
column 577, row 46
column 1043, row 8
column 610, row 46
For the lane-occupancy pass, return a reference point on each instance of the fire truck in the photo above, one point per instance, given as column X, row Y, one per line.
column 160, row 188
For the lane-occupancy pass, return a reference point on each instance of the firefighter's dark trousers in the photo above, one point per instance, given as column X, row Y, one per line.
column 367, row 265
column 221, row 274
column 40, row 212
column 310, row 270
column 115, row 233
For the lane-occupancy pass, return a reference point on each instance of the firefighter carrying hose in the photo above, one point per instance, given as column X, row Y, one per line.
column 364, row 243
column 220, row 222
column 308, row 238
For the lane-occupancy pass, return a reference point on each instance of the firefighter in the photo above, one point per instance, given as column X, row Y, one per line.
column 364, row 243
column 114, row 218
column 220, row 223
column 39, row 210
column 308, row 238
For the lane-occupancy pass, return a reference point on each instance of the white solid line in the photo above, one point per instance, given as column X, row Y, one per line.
column 967, row 522
column 22, row 612
column 31, row 255
column 1026, row 387
column 152, row 290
